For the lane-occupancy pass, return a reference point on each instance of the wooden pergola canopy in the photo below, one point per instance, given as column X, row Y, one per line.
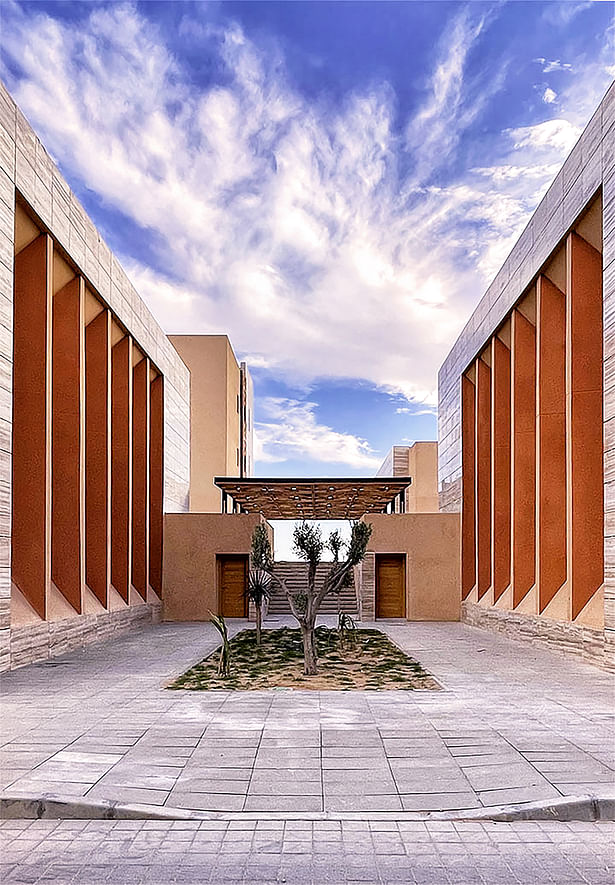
column 322, row 498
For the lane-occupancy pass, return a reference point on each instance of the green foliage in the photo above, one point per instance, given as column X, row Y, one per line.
column 308, row 543
column 347, row 630
column 300, row 600
column 336, row 544
column 262, row 557
column 359, row 539
column 259, row 586
column 224, row 661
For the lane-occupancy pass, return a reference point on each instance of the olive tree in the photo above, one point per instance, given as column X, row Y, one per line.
column 309, row 545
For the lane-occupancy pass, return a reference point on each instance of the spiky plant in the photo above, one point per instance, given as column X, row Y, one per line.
column 224, row 661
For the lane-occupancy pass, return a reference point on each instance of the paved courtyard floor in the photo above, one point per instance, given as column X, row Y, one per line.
column 305, row 853
column 513, row 724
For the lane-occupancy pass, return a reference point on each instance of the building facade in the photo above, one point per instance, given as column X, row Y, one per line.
column 419, row 461
column 527, row 418
column 221, row 409
column 94, row 419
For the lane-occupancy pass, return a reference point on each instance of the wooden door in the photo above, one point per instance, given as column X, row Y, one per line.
column 391, row 585
column 232, row 586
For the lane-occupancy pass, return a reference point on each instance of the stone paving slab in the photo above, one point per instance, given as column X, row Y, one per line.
column 513, row 724
column 305, row 852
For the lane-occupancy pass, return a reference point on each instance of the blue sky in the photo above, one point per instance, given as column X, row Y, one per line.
column 332, row 184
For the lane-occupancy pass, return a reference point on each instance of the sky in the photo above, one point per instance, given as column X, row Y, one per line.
column 333, row 185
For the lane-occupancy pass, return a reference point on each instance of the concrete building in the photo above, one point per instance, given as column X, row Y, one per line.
column 420, row 461
column 527, row 419
column 94, row 420
column 221, row 416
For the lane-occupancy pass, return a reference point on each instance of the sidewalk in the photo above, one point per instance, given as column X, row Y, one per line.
column 514, row 724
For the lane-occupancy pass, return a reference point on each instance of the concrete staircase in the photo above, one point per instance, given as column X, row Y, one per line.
column 295, row 576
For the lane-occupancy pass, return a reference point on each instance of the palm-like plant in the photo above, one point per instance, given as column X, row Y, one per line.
column 258, row 591
column 259, row 581
column 224, row 661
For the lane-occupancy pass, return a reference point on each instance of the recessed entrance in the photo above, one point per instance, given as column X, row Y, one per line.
column 391, row 585
column 232, row 576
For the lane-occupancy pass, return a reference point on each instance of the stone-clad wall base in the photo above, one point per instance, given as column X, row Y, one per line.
column 48, row 639
column 560, row 636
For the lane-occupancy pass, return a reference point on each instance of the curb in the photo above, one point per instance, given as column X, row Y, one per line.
column 51, row 807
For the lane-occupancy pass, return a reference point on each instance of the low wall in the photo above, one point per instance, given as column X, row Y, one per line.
column 35, row 642
column 560, row 636
column 191, row 543
column 431, row 543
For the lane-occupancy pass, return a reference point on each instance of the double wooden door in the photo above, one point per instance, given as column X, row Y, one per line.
column 390, row 585
column 232, row 583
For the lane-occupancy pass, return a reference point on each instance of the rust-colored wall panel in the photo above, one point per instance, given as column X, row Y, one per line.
column 551, row 440
column 140, row 476
column 483, row 477
column 67, row 523
column 156, row 483
column 468, row 516
column 523, row 464
column 500, row 467
column 98, row 455
column 584, row 420
column 31, row 464
column 121, row 465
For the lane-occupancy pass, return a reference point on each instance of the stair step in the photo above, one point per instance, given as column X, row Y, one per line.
column 294, row 574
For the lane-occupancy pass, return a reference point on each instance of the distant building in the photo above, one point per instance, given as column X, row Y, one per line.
column 221, row 416
column 419, row 461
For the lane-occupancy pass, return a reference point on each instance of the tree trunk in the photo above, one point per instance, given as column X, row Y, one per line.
column 309, row 649
column 259, row 622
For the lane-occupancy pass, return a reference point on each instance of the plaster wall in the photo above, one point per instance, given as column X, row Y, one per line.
column 431, row 542
column 215, row 386
column 192, row 541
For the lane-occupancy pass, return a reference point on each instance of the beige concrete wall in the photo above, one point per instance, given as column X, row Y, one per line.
column 431, row 542
column 191, row 543
column 233, row 415
column 420, row 461
column 422, row 496
column 214, row 425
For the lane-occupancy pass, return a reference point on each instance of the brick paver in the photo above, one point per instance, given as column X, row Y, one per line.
column 303, row 851
column 513, row 724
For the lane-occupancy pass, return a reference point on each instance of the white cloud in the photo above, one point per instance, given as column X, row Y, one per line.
column 555, row 65
column 549, row 96
column 293, row 432
column 286, row 223
column 559, row 134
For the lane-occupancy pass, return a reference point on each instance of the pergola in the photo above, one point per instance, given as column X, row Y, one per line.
column 311, row 498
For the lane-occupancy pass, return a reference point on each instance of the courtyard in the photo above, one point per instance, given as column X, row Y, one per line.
column 511, row 725
column 308, row 786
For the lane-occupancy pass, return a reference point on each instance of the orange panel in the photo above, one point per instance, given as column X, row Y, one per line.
column 98, row 455
column 500, row 476
column 551, row 440
column 523, row 467
column 483, row 476
column 156, row 483
column 468, row 516
column 67, row 524
column 584, row 420
column 121, row 458
column 140, row 476
column 31, row 462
